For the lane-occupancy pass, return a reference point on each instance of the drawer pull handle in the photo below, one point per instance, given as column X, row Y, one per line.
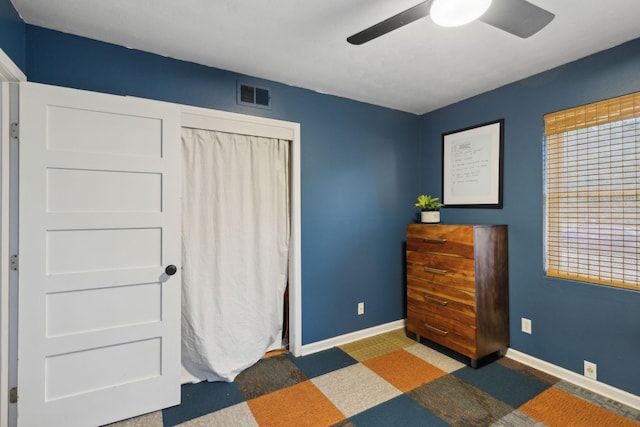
column 433, row 240
column 439, row 331
column 427, row 298
column 435, row 270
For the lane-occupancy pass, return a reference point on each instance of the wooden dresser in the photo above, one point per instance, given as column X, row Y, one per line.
column 458, row 287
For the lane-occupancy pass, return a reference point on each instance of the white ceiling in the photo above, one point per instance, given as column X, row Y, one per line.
column 417, row 68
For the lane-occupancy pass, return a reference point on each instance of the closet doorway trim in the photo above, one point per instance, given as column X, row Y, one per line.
column 222, row 121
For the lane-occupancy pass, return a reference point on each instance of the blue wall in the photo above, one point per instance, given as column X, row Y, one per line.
column 359, row 170
column 571, row 321
column 12, row 35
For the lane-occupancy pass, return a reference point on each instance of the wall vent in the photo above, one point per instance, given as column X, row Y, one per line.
column 254, row 96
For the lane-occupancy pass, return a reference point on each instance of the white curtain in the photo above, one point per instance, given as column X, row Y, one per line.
column 235, row 251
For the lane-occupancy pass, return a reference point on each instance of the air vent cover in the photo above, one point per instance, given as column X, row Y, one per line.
column 254, row 96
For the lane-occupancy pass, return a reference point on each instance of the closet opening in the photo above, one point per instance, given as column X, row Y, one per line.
column 241, row 272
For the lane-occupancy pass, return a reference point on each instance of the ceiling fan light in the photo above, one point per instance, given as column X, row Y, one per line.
column 453, row 13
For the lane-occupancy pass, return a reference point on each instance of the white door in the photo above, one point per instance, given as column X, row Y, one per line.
column 99, row 202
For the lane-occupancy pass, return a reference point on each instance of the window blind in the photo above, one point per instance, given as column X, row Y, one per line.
column 592, row 174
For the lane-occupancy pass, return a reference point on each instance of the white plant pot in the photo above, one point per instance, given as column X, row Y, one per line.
column 430, row 217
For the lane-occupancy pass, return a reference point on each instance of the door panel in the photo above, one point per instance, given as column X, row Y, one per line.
column 99, row 319
column 99, row 191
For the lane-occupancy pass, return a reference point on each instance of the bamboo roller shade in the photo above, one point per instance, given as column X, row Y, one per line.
column 592, row 175
column 609, row 110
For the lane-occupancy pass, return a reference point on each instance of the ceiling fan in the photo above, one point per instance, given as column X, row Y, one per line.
column 518, row 17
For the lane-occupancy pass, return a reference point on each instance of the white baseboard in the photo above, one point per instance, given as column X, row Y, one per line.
column 350, row 337
column 577, row 379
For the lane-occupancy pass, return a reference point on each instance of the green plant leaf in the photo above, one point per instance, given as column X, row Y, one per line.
column 426, row 202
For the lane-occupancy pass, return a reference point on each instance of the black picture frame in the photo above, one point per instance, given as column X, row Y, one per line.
column 472, row 166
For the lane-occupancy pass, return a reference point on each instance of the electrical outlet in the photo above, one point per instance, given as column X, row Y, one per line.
column 590, row 370
column 526, row 325
column 360, row 308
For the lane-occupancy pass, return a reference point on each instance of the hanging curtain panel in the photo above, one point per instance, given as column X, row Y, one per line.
column 235, row 251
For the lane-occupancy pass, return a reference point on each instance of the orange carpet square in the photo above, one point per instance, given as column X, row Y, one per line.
column 404, row 370
column 554, row 407
column 299, row 405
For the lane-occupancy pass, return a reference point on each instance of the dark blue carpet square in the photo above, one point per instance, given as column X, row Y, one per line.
column 200, row 399
column 268, row 375
column 323, row 362
column 503, row 383
column 401, row 411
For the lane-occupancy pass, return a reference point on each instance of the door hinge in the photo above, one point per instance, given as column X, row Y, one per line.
column 15, row 130
column 13, row 395
column 13, row 264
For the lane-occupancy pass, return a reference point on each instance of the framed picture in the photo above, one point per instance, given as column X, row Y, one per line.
column 472, row 166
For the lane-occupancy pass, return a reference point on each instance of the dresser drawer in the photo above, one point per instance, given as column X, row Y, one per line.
column 442, row 300
column 446, row 239
column 444, row 269
column 457, row 336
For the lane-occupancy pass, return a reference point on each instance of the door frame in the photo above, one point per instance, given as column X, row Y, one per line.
column 203, row 118
column 9, row 73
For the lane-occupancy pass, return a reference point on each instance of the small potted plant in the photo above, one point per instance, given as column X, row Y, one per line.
column 430, row 208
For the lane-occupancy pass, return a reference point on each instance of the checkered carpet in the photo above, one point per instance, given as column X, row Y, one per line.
column 388, row 380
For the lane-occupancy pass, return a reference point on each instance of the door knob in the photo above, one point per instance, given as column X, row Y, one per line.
column 171, row 270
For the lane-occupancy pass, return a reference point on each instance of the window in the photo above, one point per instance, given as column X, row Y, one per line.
column 592, row 174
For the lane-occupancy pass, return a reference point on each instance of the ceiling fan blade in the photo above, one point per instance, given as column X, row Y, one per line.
column 518, row 17
column 401, row 19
